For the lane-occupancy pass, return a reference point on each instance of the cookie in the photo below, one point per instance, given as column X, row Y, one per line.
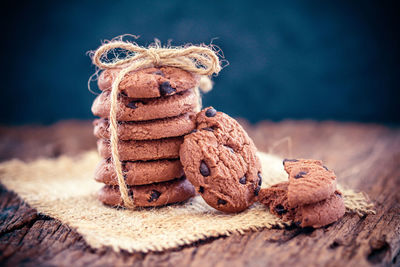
column 132, row 109
column 322, row 213
column 309, row 181
column 147, row 130
column 167, row 148
column 150, row 82
column 315, row 215
column 151, row 195
column 219, row 159
column 139, row 172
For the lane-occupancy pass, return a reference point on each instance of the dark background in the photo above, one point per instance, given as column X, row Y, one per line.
column 336, row 60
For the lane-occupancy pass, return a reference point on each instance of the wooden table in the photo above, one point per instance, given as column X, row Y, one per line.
column 365, row 156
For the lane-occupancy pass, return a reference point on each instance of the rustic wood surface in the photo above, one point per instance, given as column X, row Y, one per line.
column 366, row 157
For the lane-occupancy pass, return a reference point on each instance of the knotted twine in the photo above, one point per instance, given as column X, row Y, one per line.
column 201, row 60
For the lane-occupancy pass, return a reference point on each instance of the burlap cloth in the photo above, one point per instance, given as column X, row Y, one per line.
column 64, row 189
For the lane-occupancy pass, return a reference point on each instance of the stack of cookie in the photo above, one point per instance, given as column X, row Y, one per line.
column 309, row 198
column 156, row 108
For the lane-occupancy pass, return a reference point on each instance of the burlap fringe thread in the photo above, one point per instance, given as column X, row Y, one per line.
column 63, row 188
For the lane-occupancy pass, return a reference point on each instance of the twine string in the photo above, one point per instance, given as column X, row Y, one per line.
column 201, row 60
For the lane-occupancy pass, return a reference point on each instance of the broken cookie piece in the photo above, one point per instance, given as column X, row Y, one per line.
column 309, row 198
column 316, row 215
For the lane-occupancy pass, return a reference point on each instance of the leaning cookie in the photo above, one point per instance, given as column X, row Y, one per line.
column 167, row 148
column 150, row 82
column 147, row 130
column 132, row 109
column 219, row 159
column 139, row 172
column 151, row 195
column 315, row 215
column 309, row 181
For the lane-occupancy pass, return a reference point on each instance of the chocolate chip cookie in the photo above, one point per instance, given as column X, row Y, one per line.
column 132, row 109
column 147, row 130
column 219, row 159
column 139, row 172
column 316, row 214
column 309, row 181
column 152, row 195
column 322, row 213
column 167, row 148
column 150, row 82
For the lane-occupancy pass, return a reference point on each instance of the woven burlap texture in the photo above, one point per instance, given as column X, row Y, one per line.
column 63, row 188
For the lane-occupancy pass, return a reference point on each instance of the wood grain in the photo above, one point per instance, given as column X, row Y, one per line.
column 365, row 157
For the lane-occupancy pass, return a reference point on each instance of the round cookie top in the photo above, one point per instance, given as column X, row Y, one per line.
column 150, row 82
column 220, row 160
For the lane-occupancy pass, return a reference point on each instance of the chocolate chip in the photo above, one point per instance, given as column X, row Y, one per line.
column 289, row 160
column 159, row 72
column 242, row 180
column 334, row 244
column 326, row 168
column 230, row 149
column 154, row 195
column 201, row 190
column 300, row 175
column 204, row 170
column 166, row 89
column 280, row 209
column 257, row 190
column 132, row 104
column 208, row 129
column 211, row 112
column 259, row 178
column 221, row 201
column 194, row 131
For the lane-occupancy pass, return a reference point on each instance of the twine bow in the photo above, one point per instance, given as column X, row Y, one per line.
column 200, row 60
